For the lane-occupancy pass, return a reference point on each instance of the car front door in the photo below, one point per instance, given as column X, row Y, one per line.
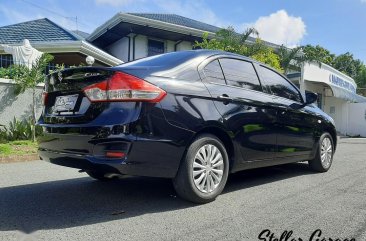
column 246, row 110
column 295, row 125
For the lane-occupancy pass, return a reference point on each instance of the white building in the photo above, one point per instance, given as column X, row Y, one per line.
column 130, row 36
column 336, row 96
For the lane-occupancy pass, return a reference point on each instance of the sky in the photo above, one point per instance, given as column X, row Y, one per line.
column 338, row 25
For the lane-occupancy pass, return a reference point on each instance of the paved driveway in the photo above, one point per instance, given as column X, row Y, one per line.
column 40, row 201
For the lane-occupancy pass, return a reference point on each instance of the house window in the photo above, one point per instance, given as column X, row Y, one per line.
column 6, row 61
column 154, row 47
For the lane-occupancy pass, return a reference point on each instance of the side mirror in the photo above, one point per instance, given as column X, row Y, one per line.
column 310, row 97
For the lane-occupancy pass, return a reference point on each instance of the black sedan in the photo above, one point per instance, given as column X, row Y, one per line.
column 192, row 116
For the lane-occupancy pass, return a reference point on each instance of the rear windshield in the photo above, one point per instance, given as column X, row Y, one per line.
column 162, row 60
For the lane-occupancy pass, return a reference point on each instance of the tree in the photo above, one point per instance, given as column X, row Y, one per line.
column 29, row 80
column 319, row 53
column 262, row 53
column 289, row 57
column 230, row 41
column 347, row 64
column 361, row 77
column 297, row 56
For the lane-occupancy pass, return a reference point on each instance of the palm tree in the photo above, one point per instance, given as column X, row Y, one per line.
column 228, row 40
column 30, row 78
column 294, row 57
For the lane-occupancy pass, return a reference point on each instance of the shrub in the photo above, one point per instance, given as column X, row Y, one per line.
column 18, row 130
column 13, row 72
column 3, row 135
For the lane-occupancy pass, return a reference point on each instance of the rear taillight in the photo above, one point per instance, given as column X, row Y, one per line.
column 44, row 97
column 124, row 87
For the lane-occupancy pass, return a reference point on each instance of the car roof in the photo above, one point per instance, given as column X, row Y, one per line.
column 179, row 57
column 174, row 64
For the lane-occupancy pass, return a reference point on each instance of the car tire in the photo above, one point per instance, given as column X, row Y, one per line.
column 100, row 176
column 203, row 172
column 324, row 154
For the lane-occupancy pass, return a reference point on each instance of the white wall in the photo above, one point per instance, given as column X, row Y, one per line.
column 169, row 46
column 357, row 119
column 340, row 114
column 184, row 46
column 140, row 47
column 18, row 106
column 119, row 49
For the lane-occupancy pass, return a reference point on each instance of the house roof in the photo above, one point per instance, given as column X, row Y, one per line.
column 179, row 20
column 40, row 30
column 82, row 34
column 47, row 36
column 165, row 26
column 188, row 22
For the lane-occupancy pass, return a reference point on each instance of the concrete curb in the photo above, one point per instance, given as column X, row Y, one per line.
column 22, row 158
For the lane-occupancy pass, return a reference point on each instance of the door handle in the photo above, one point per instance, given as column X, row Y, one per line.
column 225, row 99
column 283, row 110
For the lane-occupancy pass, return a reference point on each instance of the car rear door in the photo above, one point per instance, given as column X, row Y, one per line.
column 246, row 110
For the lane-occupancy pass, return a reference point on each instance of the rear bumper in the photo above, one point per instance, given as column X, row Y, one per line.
column 144, row 157
column 78, row 161
column 151, row 145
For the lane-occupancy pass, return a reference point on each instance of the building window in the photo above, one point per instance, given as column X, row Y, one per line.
column 154, row 47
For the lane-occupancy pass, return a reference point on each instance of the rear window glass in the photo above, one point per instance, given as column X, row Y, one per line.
column 240, row 73
column 162, row 60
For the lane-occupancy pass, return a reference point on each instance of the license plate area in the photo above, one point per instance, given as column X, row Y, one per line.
column 65, row 103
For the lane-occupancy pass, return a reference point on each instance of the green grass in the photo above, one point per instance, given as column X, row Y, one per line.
column 5, row 150
column 18, row 148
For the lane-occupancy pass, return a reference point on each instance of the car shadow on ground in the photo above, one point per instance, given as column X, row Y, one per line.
column 83, row 201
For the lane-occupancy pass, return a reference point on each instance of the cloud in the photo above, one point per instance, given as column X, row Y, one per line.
column 281, row 28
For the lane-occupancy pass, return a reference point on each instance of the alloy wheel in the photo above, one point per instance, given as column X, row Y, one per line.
column 326, row 152
column 208, row 168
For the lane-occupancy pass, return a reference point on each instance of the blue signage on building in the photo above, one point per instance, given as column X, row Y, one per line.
column 342, row 83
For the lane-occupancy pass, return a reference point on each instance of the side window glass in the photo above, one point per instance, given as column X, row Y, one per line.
column 240, row 73
column 213, row 73
column 279, row 85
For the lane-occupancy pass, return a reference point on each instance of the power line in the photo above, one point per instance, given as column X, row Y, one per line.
column 45, row 9
column 73, row 19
